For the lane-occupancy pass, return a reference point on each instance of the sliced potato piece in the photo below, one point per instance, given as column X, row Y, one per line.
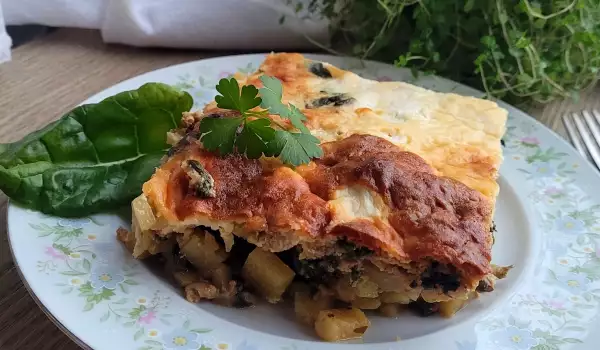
column 395, row 298
column 387, row 282
column 341, row 324
column 344, row 289
column 268, row 274
column 348, row 290
column 366, row 303
column 449, row 308
column 307, row 308
column 142, row 213
column 146, row 242
column 202, row 250
column 390, row 310
column 365, row 288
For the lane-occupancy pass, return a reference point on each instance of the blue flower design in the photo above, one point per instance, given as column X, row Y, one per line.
column 466, row 345
column 569, row 225
column 543, row 170
column 573, row 282
column 559, row 248
column 514, row 338
column 109, row 252
column 105, row 277
column 180, row 339
column 74, row 223
column 246, row 346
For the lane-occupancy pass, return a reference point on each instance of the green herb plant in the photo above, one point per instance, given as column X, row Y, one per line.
column 252, row 133
column 520, row 50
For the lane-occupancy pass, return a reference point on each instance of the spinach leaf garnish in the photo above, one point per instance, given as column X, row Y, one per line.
column 97, row 156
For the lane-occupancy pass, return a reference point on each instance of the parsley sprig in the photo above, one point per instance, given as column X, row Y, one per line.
column 253, row 133
column 524, row 51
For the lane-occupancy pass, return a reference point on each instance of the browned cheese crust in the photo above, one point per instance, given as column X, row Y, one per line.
column 427, row 216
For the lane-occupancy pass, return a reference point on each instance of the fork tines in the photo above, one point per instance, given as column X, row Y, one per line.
column 584, row 131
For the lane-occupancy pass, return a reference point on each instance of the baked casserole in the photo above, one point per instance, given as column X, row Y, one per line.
column 396, row 214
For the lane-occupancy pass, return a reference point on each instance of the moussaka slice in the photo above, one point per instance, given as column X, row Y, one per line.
column 398, row 210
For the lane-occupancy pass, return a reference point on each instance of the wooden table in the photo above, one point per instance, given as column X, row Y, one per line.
column 50, row 76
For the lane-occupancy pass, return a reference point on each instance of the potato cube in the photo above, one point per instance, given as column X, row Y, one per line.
column 202, row 250
column 395, row 298
column 366, row 303
column 449, row 308
column 348, row 290
column 341, row 324
column 142, row 213
column 390, row 310
column 387, row 282
column 344, row 289
column 307, row 308
column 365, row 288
column 268, row 274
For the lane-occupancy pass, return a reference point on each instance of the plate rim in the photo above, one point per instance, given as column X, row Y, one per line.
column 51, row 317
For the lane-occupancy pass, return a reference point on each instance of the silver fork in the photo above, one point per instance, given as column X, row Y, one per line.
column 584, row 131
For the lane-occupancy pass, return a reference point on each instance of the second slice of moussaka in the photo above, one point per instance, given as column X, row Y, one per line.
column 398, row 211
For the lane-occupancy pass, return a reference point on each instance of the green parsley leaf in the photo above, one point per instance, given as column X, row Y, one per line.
column 295, row 148
column 220, row 133
column 231, row 98
column 271, row 94
column 254, row 138
column 296, row 117
column 257, row 136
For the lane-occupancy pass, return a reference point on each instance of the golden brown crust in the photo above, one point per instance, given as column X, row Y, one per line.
column 269, row 201
column 428, row 216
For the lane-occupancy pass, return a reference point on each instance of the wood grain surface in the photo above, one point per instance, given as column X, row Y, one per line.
column 49, row 76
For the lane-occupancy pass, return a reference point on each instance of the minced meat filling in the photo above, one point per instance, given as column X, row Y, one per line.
column 324, row 271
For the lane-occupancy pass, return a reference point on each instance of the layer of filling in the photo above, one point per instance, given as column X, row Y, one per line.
column 348, row 277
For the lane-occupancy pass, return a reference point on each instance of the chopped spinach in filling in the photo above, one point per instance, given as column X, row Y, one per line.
column 331, row 100
column 318, row 69
column 352, row 251
column 440, row 276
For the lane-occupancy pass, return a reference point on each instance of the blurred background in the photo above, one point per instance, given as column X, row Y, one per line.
column 523, row 51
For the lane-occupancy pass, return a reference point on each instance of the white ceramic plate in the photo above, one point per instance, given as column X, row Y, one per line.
column 548, row 218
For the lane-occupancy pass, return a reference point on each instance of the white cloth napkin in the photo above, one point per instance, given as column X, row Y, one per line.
column 5, row 41
column 206, row 24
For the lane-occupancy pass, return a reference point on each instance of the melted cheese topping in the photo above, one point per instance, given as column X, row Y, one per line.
column 357, row 202
column 459, row 136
